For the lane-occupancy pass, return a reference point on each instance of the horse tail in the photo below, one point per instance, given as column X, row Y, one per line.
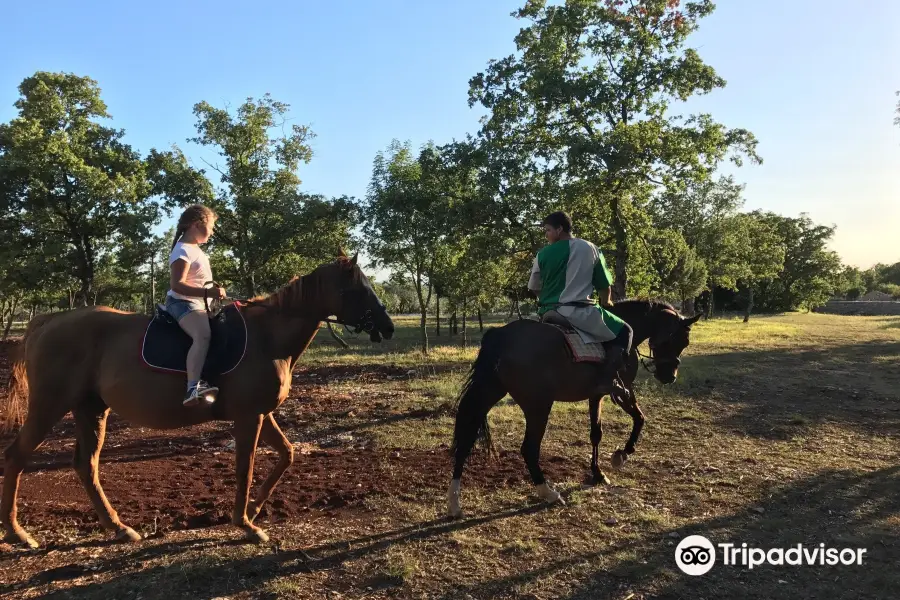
column 15, row 409
column 480, row 392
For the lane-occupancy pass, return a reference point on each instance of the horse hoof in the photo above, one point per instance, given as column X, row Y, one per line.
column 253, row 511
column 19, row 536
column 455, row 513
column 127, row 534
column 618, row 459
column 549, row 495
column 256, row 536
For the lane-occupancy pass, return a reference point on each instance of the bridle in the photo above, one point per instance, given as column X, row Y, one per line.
column 654, row 361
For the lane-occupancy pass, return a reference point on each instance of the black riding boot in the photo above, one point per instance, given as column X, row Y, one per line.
column 615, row 362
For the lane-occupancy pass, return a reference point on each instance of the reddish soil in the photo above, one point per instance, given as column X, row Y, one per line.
column 184, row 479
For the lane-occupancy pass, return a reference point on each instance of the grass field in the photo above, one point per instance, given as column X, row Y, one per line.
column 778, row 432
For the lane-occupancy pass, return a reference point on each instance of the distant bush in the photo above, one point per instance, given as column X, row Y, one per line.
column 890, row 288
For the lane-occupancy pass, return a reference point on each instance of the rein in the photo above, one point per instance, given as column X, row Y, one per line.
column 644, row 358
column 366, row 322
column 649, row 357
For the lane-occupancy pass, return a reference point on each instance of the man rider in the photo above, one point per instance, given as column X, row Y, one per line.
column 564, row 275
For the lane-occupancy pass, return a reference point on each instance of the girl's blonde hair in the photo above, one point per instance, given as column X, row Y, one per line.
column 196, row 213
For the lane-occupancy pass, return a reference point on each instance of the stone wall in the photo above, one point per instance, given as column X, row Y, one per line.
column 859, row 307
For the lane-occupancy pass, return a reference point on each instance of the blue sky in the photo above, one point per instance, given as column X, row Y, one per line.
column 815, row 82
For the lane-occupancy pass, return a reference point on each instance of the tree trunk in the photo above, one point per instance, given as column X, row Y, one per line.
column 423, row 325
column 512, row 309
column 749, row 306
column 437, row 300
column 451, row 326
column 84, row 293
column 465, row 331
column 2, row 312
column 519, row 309
column 9, row 319
column 710, row 308
column 620, row 285
column 687, row 307
column 480, row 322
column 250, row 285
column 152, row 283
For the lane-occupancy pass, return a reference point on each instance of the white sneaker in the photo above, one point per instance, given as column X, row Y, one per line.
column 200, row 393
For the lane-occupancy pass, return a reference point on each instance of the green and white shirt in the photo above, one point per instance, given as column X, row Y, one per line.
column 569, row 271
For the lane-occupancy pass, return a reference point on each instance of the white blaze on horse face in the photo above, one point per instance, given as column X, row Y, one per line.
column 453, row 508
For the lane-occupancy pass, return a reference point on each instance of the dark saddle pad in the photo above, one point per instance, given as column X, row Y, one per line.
column 579, row 351
column 166, row 345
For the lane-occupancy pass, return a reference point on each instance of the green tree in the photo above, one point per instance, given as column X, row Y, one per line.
column 706, row 214
column 764, row 255
column 405, row 219
column 667, row 267
column 811, row 271
column 76, row 187
column 584, row 104
column 268, row 230
column 851, row 283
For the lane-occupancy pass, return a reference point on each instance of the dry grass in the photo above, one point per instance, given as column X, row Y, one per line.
column 779, row 432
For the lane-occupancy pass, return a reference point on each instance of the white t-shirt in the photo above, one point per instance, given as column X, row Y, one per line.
column 198, row 272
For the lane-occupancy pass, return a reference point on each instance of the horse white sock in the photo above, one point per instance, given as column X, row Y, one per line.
column 453, row 508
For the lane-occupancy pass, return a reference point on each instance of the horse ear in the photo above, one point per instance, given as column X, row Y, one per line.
column 688, row 322
column 353, row 260
column 341, row 253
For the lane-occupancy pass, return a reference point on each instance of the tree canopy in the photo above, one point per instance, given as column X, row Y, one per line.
column 585, row 115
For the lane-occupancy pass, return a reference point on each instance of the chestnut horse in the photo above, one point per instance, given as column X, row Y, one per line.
column 87, row 361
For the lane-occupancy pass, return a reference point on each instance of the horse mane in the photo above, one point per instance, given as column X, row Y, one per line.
column 650, row 303
column 304, row 290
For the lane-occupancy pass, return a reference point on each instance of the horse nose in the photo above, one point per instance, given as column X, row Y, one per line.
column 388, row 330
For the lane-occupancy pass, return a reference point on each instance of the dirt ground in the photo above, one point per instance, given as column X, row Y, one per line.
column 162, row 481
column 782, row 431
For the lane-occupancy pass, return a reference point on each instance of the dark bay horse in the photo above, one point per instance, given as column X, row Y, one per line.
column 87, row 361
column 530, row 361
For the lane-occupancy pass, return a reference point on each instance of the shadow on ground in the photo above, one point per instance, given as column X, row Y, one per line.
column 837, row 508
column 856, row 385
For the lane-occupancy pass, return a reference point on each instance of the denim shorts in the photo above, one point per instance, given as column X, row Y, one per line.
column 178, row 307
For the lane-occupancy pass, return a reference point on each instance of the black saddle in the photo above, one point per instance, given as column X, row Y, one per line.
column 166, row 345
column 554, row 318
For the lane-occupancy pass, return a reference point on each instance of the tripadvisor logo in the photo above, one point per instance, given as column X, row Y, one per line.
column 696, row 555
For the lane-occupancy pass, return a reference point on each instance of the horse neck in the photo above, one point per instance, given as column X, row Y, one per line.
column 289, row 329
column 286, row 337
column 640, row 315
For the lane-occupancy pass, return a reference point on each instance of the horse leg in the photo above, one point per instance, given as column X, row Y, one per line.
column 90, row 432
column 471, row 417
column 535, row 426
column 596, row 438
column 36, row 427
column 273, row 437
column 246, row 436
column 629, row 404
